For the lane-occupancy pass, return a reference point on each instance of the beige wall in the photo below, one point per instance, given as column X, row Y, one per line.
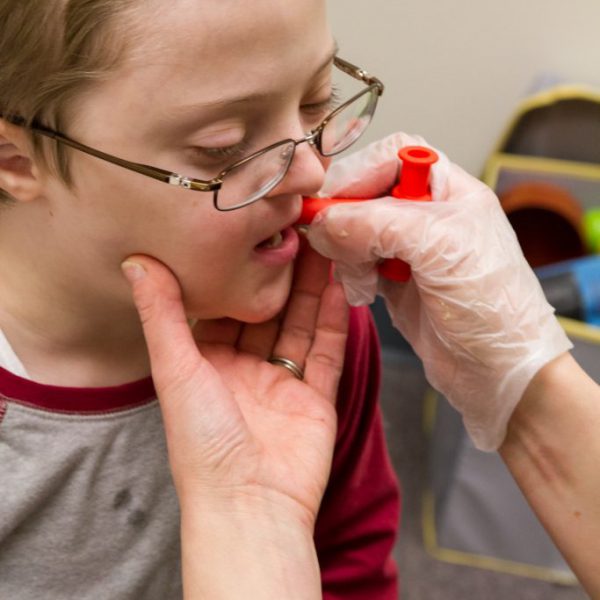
column 455, row 69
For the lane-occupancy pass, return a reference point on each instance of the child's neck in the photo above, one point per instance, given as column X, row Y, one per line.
column 63, row 326
column 66, row 357
column 70, row 350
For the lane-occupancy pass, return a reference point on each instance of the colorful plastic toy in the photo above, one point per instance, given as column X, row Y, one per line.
column 572, row 287
column 591, row 230
column 413, row 184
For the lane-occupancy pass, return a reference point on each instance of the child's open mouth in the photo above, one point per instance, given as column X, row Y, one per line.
column 273, row 242
column 280, row 249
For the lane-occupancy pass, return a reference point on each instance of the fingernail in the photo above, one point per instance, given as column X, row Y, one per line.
column 133, row 271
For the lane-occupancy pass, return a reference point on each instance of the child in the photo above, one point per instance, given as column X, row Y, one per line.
column 124, row 132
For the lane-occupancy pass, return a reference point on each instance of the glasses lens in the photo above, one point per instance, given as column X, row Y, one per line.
column 255, row 177
column 349, row 123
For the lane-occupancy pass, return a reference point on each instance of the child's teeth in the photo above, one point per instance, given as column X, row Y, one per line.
column 275, row 240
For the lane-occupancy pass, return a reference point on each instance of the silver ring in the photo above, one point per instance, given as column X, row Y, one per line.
column 288, row 364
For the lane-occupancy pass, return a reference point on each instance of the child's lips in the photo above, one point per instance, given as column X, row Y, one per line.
column 281, row 248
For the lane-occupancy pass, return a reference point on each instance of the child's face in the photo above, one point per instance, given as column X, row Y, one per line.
column 206, row 83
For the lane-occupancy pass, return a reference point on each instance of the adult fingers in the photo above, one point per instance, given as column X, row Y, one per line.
column 298, row 324
column 432, row 237
column 363, row 232
column 217, row 331
column 325, row 359
column 259, row 338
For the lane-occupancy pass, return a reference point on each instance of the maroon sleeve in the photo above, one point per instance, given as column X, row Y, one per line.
column 358, row 519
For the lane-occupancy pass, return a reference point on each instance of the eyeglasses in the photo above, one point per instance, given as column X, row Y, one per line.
column 253, row 177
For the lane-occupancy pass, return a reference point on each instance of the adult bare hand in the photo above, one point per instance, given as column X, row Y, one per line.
column 250, row 445
column 236, row 425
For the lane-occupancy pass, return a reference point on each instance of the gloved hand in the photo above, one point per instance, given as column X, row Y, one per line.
column 473, row 310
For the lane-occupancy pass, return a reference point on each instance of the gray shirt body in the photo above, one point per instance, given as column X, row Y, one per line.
column 88, row 510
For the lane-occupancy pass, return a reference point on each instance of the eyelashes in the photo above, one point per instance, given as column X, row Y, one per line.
column 312, row 113
column 226, row 152
column 324, row 108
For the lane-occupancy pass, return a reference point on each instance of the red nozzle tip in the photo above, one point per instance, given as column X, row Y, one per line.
column 311, row 206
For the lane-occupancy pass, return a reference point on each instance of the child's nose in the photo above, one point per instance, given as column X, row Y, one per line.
column 305, row 175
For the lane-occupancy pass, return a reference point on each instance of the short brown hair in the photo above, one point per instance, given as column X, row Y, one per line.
column 51, row 51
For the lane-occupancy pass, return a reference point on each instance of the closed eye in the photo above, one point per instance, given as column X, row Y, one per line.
column 322, row 109
column 221, row 154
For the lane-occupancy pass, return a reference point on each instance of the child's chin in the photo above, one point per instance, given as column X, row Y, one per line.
column 258, row 306
column 260, row 315
column 262, row 309
column 245, row 314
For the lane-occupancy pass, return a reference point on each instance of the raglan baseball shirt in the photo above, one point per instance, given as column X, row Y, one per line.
column 88, row 510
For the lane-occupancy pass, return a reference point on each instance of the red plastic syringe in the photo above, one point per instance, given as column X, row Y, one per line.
column 413, row 184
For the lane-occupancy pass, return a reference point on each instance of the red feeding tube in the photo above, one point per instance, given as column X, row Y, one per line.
column 413, row 184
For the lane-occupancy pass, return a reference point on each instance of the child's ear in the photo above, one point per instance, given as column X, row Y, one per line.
column 18, row 175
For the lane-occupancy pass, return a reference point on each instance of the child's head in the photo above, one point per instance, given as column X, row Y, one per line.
column 187, row 86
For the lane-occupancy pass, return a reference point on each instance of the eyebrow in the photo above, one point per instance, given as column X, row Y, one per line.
column 182, row 110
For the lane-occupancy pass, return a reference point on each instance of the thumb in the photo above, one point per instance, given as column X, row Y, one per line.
column 174, row 357
column 362, row 232
column 201, row 421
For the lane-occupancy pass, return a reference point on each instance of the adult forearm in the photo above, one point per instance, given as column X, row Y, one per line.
column 248, row 553
column 553, row 451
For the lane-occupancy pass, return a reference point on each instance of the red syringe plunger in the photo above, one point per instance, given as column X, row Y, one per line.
column 413, row 184
column 415, row 174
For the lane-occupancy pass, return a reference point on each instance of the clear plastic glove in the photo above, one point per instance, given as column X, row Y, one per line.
column 473, row 310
